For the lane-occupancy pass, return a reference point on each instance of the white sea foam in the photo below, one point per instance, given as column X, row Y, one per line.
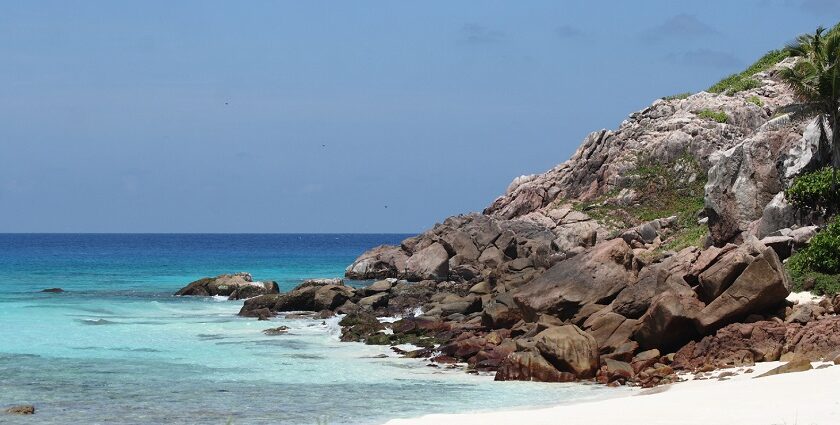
column 333, row 328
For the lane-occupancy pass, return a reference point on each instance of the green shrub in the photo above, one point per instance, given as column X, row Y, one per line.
column 812, row 192
column 678, row 96
column 819, row 262
column 755, row 100
column 744, row 81
column 818, row 283
column 743, row 84
column 822, row 254
column 718, row 116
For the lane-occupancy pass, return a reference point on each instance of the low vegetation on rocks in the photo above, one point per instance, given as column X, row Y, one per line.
column 717, row 116
column 745, row 80
column 817, row 267
column 678, row 96
column 814, row 193
column 662, row 190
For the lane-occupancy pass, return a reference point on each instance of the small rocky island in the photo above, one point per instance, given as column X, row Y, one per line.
column 665, row 245
column 236, row 286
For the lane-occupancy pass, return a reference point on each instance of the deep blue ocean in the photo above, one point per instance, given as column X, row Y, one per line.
column 118, row 348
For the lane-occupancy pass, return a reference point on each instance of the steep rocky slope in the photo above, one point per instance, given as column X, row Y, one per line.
column 658, row 237
column 674, row 158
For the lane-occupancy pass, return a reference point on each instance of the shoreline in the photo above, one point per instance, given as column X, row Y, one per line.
column 807, row 398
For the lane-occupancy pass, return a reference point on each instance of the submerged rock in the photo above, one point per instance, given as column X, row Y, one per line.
column 24, row 409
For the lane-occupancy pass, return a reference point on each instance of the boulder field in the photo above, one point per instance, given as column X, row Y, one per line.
column 588, row 271
column 603, row 314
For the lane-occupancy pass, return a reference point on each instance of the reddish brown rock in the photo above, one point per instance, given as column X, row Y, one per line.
column 530, row 366
column 817, row 340
column 740, row 344
column 762, row 285
column 569, row 349
column 669, row 323
column 593, row 277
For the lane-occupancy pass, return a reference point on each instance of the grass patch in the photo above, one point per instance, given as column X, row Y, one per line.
column 755, row 100
column 685, row 237
column 743, row 80
column 664, row 190
column 678, row 96
column 718, row 116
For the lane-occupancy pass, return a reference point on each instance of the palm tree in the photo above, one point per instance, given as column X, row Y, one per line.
column 815, row 79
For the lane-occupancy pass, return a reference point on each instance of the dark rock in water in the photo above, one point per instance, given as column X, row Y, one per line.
column 236, row 286
column 53, row 290
column 312, row 295
column 24, row 409
column 361, row 326
column 280, row 330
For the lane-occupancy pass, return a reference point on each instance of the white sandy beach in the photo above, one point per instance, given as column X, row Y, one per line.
column 803, row 398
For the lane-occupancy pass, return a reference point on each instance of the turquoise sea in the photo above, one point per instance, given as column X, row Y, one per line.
column 118, row 348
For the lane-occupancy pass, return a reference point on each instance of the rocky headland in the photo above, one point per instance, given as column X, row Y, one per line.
column 657, row 247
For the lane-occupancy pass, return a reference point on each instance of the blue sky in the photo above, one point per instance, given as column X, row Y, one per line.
column 366, row 116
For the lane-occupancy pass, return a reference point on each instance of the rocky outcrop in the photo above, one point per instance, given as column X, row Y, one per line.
column 743, row 344
column 235, row 286
column 570, row 275
column 312, row 295
column 739, row 344
column 762, row 285
column 593, row 277
column 530, row 366
column 569, row 349
column 378, row 263
column 670, row 322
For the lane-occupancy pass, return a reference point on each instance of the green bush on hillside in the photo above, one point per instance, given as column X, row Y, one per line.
column 755, row 100
column 678, row 96
column 819, row 262
column 718, row 116
column 744, row 81
column 812, row 192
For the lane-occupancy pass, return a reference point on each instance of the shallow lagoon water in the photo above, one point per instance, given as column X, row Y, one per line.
column 118, row 348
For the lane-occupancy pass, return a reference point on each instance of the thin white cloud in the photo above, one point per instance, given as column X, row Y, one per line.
column 480, row 34
column 682, row 26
